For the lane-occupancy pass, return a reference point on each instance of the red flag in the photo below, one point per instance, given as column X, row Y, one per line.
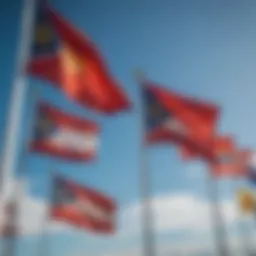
column 82, row 207
column 228, row 159
column 62, row 135
column 75, row 65
column 171, row 117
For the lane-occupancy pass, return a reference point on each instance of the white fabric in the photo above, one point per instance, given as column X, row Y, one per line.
column 74, row 140
column 175, row 126
column 93, row 210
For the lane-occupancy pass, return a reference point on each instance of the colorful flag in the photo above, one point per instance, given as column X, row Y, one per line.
column 246, row 201
column 221, row 147
column 44, row 62
column 65, row 136
column 176, row 119
column 66, row 57
column 228, row 159
column 251, row 168
column 82, row 207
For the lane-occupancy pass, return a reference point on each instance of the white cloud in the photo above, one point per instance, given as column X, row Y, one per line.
column 177, row 212
column 33, row 212
column 173, row 212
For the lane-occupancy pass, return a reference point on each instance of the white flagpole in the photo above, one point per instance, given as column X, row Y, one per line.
column 147, row 212
column 18, row 94
column 219, row 227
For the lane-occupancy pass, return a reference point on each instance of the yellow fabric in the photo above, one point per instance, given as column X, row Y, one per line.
column 71, row 61
column 246, row 201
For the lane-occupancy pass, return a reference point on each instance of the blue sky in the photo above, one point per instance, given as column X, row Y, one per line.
column 202, row 48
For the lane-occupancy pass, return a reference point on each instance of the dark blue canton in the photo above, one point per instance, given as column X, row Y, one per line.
column 45, row 126
column 45, row 41
column 156, row 113
column 252, row 174
column 62, row 193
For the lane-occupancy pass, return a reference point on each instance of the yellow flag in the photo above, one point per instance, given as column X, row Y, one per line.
column 246, row 201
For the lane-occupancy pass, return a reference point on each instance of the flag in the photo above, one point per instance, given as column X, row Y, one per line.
column 246, row 201
column 173, row 118
column 63, row 135
column 251, row 168
column 221, row 147
column 228, row 159
column 44, row 62
column 82, row 207
column 70, row 60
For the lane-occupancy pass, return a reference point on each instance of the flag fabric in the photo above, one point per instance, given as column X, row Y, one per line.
column 65, row 136
column 229, row 161
column 222, row 148
column 225, row 155
column 82, row 207
column 246, row 201
column 251, row 168
column 44, row 62
column 173, row 118
column 70, row 60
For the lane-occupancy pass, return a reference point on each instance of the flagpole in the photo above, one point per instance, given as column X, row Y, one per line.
column 44, row 243
column 217, row 217
column 147, row 215
column 20, row 184
column 18, row 94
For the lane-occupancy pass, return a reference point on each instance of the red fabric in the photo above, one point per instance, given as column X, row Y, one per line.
column 198, row 117
column 69, row 122
column 90, row 84
column 78, row 218
column 46, row 68
column 237, row 168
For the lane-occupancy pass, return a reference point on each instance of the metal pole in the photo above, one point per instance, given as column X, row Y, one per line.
column 44, row 242
column 19, row 186
column 147, row 215
column 17, row 98
column 217, row 217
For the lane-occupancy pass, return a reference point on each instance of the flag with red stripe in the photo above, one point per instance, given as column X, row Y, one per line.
column 70, row 60
column 82, row 207
column 63, row 135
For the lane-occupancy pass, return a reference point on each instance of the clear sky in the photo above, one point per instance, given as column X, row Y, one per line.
column 202, row 48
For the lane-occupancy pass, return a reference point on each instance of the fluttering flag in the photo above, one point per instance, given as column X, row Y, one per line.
column 62, row 135
column 71, row 61
column 173, row 118
column 225, row 155
column 246, row 201
column 251, row 168
column 82, row 207
column 229, row 161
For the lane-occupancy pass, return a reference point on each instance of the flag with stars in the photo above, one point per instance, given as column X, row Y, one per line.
column 82, row 207
column 69, row 60
column 62, row 135
column 44, row 61
column 174, row 118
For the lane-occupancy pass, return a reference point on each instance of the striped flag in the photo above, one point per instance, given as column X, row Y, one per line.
column 65, row 136
column 82, row 207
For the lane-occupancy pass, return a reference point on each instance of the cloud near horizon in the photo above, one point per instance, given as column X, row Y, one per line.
column 173, row 212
